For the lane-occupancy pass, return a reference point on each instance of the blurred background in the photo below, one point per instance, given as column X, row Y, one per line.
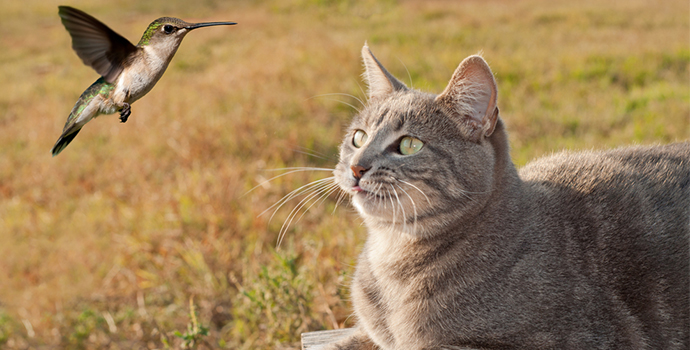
column 144, row 235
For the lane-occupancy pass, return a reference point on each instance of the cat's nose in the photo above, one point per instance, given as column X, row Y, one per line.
column 358, row 171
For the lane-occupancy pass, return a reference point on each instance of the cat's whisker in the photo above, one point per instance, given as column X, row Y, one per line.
column 324, row 192
column 465, row 193
column 313, row 153
column 416, row 188
column 391, row 229
column 317, row 188
column 290, row 171
column 377, row 193
column 343, row 102
column 341, row 196
column 349, row 104
column 388, row 192
column 295, row 193
column 408, row 72
column 342, row 94
column 362, row 90
column 291, row 216
column 385, row 202
column 402, row 208
column 414, row 207
column 477, row 192
column 300, row 168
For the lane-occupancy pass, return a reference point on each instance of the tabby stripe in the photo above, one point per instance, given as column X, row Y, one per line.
column 382, row 117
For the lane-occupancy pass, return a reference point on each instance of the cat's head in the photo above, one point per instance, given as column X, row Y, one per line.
column 415, row 162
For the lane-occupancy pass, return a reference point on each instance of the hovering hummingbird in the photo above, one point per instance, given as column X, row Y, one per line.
column 127, row 72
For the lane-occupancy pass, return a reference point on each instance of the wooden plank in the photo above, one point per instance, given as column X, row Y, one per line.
column 318, row 340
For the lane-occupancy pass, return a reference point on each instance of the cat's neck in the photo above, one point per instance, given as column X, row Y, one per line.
column 507, row 188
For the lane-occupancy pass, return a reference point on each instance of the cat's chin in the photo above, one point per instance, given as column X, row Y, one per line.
column 371, row 205
column 378, row 212
column 366, row 203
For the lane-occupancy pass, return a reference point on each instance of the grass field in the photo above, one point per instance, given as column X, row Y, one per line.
column 105, row 245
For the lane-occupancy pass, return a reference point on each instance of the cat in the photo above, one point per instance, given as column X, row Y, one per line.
column 584, row 250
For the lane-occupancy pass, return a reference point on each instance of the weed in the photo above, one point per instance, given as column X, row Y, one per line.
column 195, row 333
column 276, row 303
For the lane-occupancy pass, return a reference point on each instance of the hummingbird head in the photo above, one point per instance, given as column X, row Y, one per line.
column 169, row 31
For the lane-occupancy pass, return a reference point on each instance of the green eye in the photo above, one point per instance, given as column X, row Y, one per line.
column 410, row 145
column 360, row 138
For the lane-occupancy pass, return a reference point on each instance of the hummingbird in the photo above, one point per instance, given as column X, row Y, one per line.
column 128, row 72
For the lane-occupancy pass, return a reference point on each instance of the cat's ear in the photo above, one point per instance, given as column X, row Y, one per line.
column 471, row 96
column 380, row 82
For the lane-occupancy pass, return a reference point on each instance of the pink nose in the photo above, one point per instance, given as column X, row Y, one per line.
column 358, row 171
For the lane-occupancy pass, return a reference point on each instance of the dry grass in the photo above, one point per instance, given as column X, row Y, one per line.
column 104, row 245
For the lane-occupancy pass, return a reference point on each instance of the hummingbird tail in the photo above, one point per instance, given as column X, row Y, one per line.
column 62, row 142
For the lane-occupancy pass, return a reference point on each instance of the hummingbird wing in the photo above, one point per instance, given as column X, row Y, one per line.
column 97, row 45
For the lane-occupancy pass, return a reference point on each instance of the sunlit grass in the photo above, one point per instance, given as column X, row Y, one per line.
column 104, row 245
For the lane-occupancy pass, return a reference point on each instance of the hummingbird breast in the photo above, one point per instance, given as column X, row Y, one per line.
column 139, row 77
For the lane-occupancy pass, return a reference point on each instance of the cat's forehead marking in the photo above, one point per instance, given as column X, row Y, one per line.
column 381, row 118
column 398, row 123
column 398, row 114
column 388, row 115
column 385, row 120
column 376, row 118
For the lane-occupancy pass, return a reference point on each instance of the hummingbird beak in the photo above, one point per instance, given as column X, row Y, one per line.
column 208, row 24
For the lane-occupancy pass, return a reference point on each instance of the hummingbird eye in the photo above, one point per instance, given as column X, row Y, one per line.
column 168, row 29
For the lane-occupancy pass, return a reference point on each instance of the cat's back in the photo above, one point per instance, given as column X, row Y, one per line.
column 641, row 171
column 628, row 194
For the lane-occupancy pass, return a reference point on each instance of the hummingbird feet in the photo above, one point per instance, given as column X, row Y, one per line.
column 125, row 112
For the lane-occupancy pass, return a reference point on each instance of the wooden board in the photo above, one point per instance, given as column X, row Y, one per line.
column 317, row 340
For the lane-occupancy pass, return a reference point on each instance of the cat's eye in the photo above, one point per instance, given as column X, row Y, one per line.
column 410, row 145
column 360, row 138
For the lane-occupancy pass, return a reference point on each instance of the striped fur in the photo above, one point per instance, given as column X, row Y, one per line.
column 577, row 251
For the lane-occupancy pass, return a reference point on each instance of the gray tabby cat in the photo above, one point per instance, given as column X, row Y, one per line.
column 576, row 251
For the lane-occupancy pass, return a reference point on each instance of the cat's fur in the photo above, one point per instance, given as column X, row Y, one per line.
column 582, row 250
